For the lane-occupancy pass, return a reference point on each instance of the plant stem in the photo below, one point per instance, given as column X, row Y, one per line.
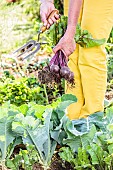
column 45, row 92
column 39, row 151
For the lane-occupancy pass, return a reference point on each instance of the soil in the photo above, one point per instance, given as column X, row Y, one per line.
column 109, row 95
column 56, row 164
column 37, row 167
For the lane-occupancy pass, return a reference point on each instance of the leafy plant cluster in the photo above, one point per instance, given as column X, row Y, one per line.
column 109, row 49
column 85, row 143
column 59, row 5
column 90, row 142
column 25, row 159
column 24, row 90
column 37, row 125
column 85, row 39
column 20, row 92
column 32, row 9
column 110, row 67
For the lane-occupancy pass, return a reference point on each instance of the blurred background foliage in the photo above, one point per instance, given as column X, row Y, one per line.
column 20, row 22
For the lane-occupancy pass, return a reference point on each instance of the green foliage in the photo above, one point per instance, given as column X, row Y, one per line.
column 78, row 160
column 109, row 49
column 110, row 68
column 91, row 158
column 31, row 8
column 82, row 37
column 89, row 142
column 43, row 136
column 97, row 142
column 85, row 39
column 6, row 135
column 81, row 133
column 97, row 154
column 15, row 163
column 59, row 6
column 110, row 40
column 25, row 159
column 101, row 157
column 22, row 123
column 67, row 155
column 21, row 91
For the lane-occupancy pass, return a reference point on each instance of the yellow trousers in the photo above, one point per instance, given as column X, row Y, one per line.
column 89, row 64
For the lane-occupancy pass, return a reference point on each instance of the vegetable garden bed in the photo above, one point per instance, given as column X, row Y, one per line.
column 35, row 133
column 39, row 136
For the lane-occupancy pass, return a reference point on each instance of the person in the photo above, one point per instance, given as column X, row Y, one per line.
column 88, row 64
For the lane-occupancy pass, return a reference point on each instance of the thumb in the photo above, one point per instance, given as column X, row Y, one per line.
column 44, row 19
column 56, row 48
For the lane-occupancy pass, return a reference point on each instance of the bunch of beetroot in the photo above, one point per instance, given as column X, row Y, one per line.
column 56, row 70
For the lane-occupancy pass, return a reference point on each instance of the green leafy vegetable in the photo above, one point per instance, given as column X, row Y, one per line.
column 43, row 135
column 85, row 39
column 77, row 160
column 6, row 134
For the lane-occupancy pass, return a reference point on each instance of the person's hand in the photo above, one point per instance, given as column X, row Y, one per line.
column 66, row 44
column 45, row 9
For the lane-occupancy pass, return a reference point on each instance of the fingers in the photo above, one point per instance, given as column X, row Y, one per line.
column 53, row 20
column 49, row 23
column 43, row 18
column 67, row 51
column 56, row 48
column 57, row 16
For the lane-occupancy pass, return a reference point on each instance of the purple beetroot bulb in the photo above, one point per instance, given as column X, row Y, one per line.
column 64, row 72
column 54, row 68
column 71, row 76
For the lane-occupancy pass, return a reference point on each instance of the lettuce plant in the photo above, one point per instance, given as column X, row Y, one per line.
column 43, row 132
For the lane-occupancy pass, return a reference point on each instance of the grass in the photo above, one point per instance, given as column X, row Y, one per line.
column 15, row 28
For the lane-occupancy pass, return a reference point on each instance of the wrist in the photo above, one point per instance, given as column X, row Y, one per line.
column 71, row 31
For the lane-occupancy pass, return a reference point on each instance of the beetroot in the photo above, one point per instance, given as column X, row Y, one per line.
column 64, row 72
column 56, row 70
